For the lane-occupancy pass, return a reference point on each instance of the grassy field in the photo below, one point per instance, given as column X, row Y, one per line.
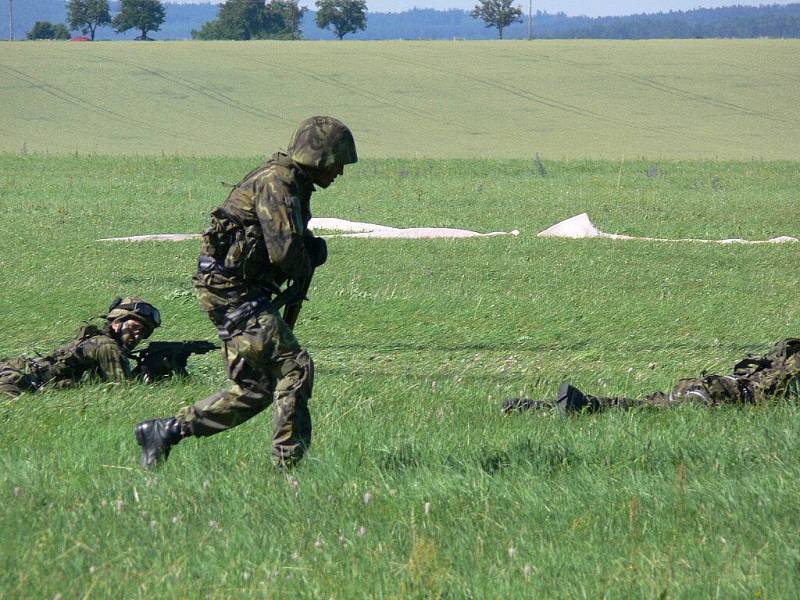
column 697, row 99
column 416, row 486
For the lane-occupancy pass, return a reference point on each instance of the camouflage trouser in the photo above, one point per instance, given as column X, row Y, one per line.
column 13, row 381
column 756, row 379
column 265, row 363
column 712, row 390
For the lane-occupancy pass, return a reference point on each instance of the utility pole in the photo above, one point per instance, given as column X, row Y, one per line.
column 10, row 20
column 530, row 19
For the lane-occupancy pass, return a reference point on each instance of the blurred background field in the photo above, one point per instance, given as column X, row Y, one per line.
column 675, row 99
column 415, row 485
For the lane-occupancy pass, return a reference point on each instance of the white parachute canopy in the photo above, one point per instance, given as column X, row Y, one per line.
column 349, row 228
column 580, row 226
column 575, row 227
column 370, row 230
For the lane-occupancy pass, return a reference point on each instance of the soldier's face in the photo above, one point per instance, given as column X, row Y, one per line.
column 129, row 332
column 324, row 177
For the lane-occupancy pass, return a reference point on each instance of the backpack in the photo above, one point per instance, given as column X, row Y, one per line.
column 777, row 372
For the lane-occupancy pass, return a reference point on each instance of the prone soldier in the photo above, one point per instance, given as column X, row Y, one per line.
column 258, row 241
column 754, row 379
column 102, row 352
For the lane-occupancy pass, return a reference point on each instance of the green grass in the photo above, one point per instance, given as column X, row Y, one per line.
column 415, row 343
column 677, row 99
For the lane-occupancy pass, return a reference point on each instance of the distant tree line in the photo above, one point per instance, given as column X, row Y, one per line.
column 736, row 21
column 775, row 21
column 45, row 30
column 281, row 19
column 87, row 15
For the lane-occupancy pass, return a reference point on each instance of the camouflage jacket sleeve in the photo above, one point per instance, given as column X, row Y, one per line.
column 108, row 360
column 279, row 207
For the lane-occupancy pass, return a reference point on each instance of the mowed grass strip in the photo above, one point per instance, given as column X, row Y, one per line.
column 415, row 485
column 691, row 99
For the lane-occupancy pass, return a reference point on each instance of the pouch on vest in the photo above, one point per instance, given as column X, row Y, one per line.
column 775, row 359
column 218, row 238
column 783, row 350
column 237, row 247
column 781, row 378
column 64, row 362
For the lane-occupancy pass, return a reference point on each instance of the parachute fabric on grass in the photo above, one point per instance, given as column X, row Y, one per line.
column 580, row 226
column 351, row 229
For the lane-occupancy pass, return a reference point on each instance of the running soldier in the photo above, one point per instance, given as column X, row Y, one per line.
column 96, row 352
column 258, row 241
column 755, row 379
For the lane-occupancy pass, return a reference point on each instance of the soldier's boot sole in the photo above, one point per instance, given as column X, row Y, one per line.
column 571, row 400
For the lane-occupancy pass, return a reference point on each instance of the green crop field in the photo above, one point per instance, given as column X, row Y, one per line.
column 415, row 486
column 578, row 99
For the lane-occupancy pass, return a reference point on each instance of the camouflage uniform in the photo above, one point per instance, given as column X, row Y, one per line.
column 93, row 353
column 259, row 240
column 755, row 379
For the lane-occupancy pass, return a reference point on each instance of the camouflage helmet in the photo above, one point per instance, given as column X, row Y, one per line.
column 135, row 308
column 321, row 143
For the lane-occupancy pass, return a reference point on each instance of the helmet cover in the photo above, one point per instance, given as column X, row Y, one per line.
column 321, row 143
column 134, row 307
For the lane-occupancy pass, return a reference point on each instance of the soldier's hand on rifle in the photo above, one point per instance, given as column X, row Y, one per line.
column 160, row 360
column 294, row 293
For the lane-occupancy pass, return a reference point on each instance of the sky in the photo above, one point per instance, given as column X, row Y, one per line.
column 595, row 8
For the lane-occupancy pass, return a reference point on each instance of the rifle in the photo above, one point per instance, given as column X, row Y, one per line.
column 291, row 312
column 159, row 360
column 318, row 253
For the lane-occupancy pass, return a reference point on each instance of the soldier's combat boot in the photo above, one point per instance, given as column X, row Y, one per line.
column 571, row 400
column 510, row 405
column 156, row 437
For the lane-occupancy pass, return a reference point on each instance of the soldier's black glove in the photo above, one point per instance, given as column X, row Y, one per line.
column 317, row 249
column 292, row 294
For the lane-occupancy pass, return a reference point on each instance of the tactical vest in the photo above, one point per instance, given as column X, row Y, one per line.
column 777, row 372
column 64, row 363
column 235, row 245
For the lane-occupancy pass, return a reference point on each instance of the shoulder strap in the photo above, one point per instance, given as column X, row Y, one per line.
column 274, row 159
column 88, row 331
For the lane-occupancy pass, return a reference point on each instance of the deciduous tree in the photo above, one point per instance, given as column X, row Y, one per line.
column 45, row 30
column 88, row 15
column 292, row 16
column 346, row 16
column 252, row 19
column 497, row 13
column 144, row 15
